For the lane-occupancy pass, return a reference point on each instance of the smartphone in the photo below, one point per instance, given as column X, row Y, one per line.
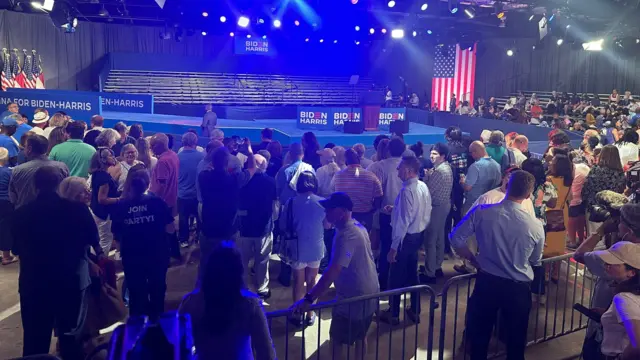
column 587, row 312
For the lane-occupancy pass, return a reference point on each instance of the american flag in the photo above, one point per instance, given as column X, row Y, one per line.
column 16, row 71
column 454, row 72
column 38, row 74
column 27, row 69
column 7, row 76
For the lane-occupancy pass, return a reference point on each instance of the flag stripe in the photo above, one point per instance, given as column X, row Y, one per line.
column 454, row 73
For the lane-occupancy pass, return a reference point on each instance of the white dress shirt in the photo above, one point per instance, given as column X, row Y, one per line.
column 411, row 212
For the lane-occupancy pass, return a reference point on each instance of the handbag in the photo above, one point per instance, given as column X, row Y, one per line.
column 289, row 244
column 555, row 218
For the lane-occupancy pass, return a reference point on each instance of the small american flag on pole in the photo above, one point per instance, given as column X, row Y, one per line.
column 27, row 69
column 38, row 74
column 6, row 77
column 454, row 72
column 16, row 70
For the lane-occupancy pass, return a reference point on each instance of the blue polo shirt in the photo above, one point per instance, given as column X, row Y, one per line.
column 8, row 143
column 21, row 130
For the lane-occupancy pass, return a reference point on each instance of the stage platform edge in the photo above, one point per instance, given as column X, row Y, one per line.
column 286, row 131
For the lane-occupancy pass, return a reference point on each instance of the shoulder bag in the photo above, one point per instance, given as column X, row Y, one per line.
column 289, row 246
column 555, row 218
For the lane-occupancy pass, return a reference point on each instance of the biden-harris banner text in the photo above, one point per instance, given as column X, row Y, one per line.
column 111, row 101
column 326, row 118
column 387, row 115
column 244, row 46
column 80, row 106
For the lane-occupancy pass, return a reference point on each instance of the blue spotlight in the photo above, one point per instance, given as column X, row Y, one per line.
column 243, row 21
column 277, row 23
column 429, row 32
column 357, row 28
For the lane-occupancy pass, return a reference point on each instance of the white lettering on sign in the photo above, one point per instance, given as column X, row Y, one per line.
column 123, row 102
column 313, row 118
column 339, row 118
column 52, row 104
column 256, row 46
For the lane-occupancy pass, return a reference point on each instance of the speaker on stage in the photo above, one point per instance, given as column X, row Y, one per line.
column 353, row 127
column 399, row 127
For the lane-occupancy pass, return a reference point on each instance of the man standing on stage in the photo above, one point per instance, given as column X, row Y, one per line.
column 209, row 121
column 510, row 240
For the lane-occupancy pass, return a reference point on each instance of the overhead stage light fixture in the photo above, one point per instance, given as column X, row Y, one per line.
column 277, row 23
column 531, row 17
column 509, row 52
column 384, row 31
column 593, row 45
column 205, row 14
column 243, row 21
column 415, row 33
column 306, row 40
column 357, row 28
column 321, row 40
column 372, row 31
column 559, row 42
column 397, row 33
column 424, row 7
column 296, row 23
column 335, row 41
column 204, row 33
column 248, row 36
column 232, row 34
column 43, row 4
column 103, row 12
column 391, row 4
column 429, row 32
column 223, row 19
column 470, row 12
column 354, row 2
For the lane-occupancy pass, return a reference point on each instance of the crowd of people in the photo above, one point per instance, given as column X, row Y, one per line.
column 360, row 222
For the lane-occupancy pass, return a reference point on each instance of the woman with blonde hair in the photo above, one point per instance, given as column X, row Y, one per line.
column 107, row 139
column 144, row 153
column 129, row 159
column 6, row 208
column 57, row 120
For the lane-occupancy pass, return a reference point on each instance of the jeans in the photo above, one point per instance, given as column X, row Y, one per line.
column 490, row 295
column 104, row 231
column 434, row 239
column 258, row 248
column 365, row 219
column 385, row 246
column 62, row 310
column 405, row 271
column 187, row 208
column 455, row 215
column 146, row 282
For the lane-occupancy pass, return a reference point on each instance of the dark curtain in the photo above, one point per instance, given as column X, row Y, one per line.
column 553, row 67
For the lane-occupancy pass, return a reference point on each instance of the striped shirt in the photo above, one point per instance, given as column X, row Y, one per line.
column 387, row 171
column 361, row 185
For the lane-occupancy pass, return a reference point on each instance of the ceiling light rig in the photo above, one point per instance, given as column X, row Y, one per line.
column 424, row 7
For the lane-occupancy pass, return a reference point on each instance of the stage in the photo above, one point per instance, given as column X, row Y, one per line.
column 285, row 130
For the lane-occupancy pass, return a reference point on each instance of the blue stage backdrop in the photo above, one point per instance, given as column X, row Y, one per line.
column 133, row 103
column 327, row 118
column 244, row 46
column 387, row 115
column 78, row 105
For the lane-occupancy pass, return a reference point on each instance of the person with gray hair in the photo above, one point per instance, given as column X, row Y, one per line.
column 107, row 139
column 75, row 188
column 496, row 149
column 129, row 160
column 360, row 149
column 189, row 159
column 258, row 208
column 6, row 208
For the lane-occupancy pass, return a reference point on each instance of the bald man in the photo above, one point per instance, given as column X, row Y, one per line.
column 258, row 208
column 483, row 175
column 164, row 180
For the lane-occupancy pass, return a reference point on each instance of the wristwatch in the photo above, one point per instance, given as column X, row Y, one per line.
column 308, row 298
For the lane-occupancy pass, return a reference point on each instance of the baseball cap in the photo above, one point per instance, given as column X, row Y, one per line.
column 9, row 121
column 40, row 117
column 326, row 153
column 623, row 252
column 337, row 200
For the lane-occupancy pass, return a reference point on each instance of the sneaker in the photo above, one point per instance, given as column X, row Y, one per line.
column 461, row 269
column 412, row 316
column 424, row 279
column 387, row 317
column 439, row 273
column 264, row 295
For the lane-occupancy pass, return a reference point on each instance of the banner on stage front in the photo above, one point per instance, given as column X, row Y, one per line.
column 314, row 118
column 80, row 106
column 244, row 46
column 387, row 115
column 111, row 101
column 342, row 115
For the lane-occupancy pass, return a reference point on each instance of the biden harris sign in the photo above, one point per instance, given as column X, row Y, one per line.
column 111, row 101
column 326, row 118
column 244, row 46
column 388, row 115
column 80, row 106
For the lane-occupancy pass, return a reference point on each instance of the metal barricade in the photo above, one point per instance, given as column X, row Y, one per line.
column 566, row 283
column 381, row 341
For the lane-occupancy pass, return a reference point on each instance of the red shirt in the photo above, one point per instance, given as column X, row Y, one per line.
column 536, row 111
column 166, row 170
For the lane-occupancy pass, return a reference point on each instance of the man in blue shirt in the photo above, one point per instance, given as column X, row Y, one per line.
column 510, row 242
column 7, row 130
column 287, row 177
column 23, row 127
column 483, row 175
column 187, row 176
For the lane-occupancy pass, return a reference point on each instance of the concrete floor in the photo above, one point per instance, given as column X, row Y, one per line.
column 312, row 343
